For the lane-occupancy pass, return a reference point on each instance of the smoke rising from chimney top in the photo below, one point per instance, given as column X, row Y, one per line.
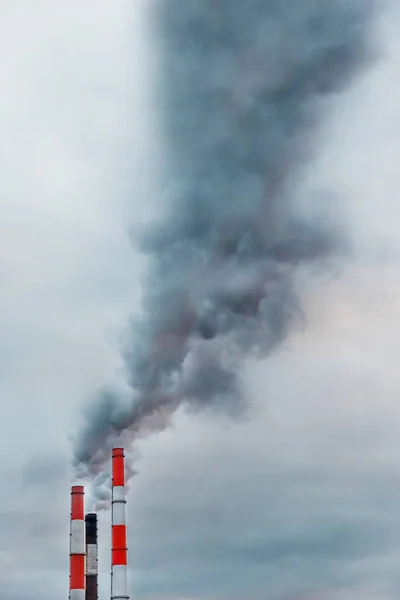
column 240, row 94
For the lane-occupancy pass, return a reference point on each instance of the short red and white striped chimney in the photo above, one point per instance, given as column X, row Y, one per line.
column 119, row 562
column 77, row 545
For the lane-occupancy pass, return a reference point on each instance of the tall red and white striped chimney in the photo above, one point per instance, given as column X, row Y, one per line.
column 119, row 562
column 77, row 545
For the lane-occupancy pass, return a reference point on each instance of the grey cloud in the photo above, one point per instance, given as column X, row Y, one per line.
column 238, row 107
column 44, row 470
column 251, row 524
column 299, row 502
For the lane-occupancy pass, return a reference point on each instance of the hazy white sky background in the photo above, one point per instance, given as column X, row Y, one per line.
column 304, row 495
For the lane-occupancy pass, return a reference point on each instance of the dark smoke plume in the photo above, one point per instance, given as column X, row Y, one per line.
column 242, row 88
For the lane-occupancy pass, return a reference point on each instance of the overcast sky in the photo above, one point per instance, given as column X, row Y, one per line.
column 301, row 499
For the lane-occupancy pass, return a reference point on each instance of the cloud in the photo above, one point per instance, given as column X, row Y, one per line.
column 219, row 286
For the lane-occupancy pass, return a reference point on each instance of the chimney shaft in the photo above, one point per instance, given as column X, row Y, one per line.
column 77, row 545
column 119, row 563
column 91, row 557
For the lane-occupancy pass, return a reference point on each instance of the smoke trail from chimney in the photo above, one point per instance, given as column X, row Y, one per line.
column 241, row 90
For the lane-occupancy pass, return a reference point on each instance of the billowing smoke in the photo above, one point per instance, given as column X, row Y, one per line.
column 243, row 86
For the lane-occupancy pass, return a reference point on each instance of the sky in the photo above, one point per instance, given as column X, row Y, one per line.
column 299, row 501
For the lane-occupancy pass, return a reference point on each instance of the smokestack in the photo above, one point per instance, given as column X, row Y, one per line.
column 119, row 563
column 91, row 556
column 77, row 545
